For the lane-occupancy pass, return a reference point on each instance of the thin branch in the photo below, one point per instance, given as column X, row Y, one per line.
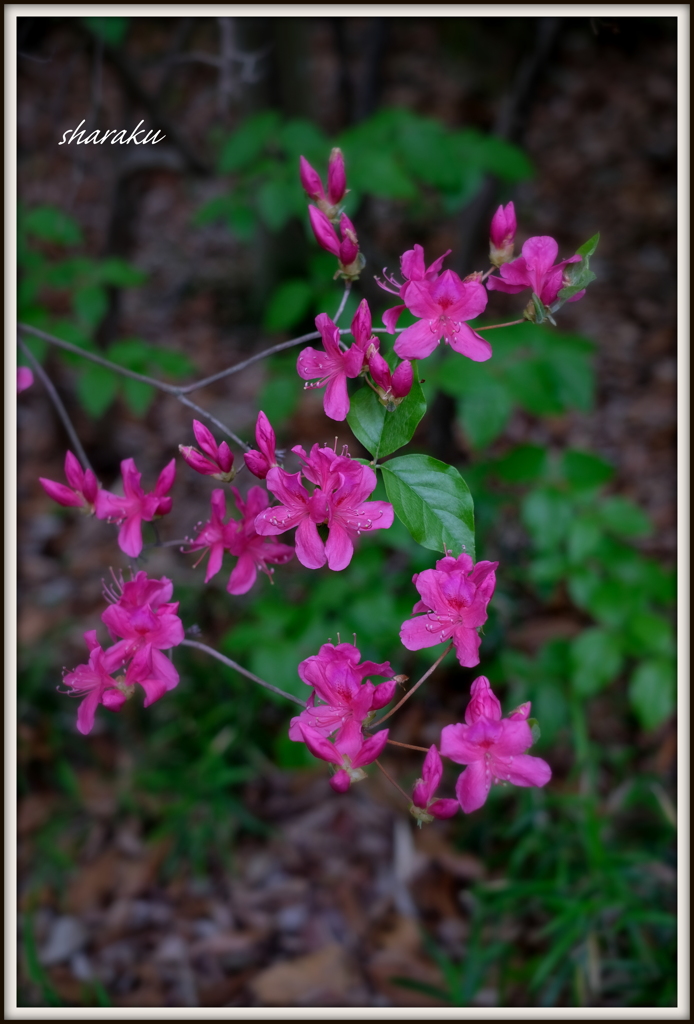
column 57, row 402
column 169, row 389
column 493, row 327
column 213, row 419
column 391, row 779
column 415, row 687
column 424, row 750
column 244, row 672
column 249, row 362
column 343, row 302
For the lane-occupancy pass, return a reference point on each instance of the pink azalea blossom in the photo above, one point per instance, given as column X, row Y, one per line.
column 350, row 751
column 413, row 268
column 261, row 461
column 340, row 503
column 444, row 305
column 337, row 183
column 535, row 269
column 502, row 234
column 346, row 247
column 215, row 535
column 83, row 489
column 94, row 681
column 215, row 460
column 454, row 599
column 145, row 618
column 333, row 366
column 392, row 387
column 424, row 807
column 136, row 506
column 492, row 748
column 253, row 551
column 338, row 680
column 25, row 378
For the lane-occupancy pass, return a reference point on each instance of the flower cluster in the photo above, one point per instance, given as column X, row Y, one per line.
column 338, row 499
column 345, row 702
column 143, row 616
column 337, row 362
column 326, row 215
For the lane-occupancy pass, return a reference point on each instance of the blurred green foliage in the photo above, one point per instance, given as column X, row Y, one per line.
column 50, row 279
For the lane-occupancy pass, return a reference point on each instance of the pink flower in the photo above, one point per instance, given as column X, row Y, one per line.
column 424, row 807
column 25, row 378
column 392, row 387
column 534, row 269
column 413, row 269
column 338, row 680
column 444, row 305
column 95, row 682
column 143, row 615
column 333, row 366
column 253, row 551
column 217, row 460
column 502, row 234
column 214, row 536
column 454, row 599
column 346, row 248
column 339, row 502
column 260, row 462
column 350, row 751
column 313, row 186
column 83, row 489
column 493, row 749
column 130, row 511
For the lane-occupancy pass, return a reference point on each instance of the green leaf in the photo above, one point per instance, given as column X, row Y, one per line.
column 650, row 634
column 380, row 431
column 596, row 658
column 120, row 273
column 288, row 305
column 624, row 518
column 580, row 275
column 300, row 137
column 110, row 30
column 433, row 501
column 175, row 364
column 379, row 173
column 96, row 389
column 138, row 396
column 485, row 412
column 522, row 465
column 547, row 515
column 246, row 144
column 584, row 538
column 652, row 692
column 275, row 200
column 612, row 601
column 533, row 385
column 90, row 304
column 52, row 225
column 584, row 471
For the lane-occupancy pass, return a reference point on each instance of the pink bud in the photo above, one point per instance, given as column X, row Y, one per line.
column 324, row 231
column 403, row 378
column 379, row 370
column 60, row 493
column 337, row 182
column 502, row 233
column 483, row 703
column 340, row 781
column 310, row 180
column 361, row 325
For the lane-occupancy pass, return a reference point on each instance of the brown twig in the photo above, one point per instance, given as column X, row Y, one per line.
column 395, row 743
column 391, row 779
column 415, row 687
column 239, row 668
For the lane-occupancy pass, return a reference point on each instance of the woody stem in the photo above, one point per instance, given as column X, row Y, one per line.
column 343, row 302
column 243, row 671
column 493, row 327
column 391, row 779
column 415, row 687
column 409, row 746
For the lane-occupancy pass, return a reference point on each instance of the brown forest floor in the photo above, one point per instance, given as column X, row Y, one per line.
column 340, row 886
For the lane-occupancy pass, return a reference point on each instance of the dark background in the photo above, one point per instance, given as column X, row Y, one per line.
column 593, row 104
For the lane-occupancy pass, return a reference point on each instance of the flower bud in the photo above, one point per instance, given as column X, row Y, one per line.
column 502, row 234
column 310, row 180
column 337, row 182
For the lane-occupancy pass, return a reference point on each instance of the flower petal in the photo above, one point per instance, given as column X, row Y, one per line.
column 310, row 549
column 472, row 787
